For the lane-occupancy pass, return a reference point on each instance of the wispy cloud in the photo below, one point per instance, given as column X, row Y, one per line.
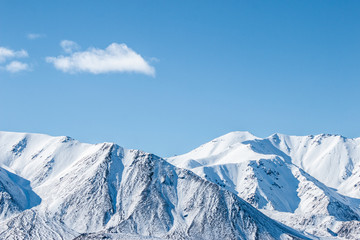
column 69, row 46
column 16, row 66
column 33, row 36
column 6, row 53
column 115, row 58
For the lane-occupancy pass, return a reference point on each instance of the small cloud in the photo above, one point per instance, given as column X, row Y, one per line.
column 33, row 36
column 154, row 59
column 16, row 66
column 6, row 53
column 69, row 46
column 115, row 58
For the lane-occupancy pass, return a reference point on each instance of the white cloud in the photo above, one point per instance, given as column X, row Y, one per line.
column 69, row 46
column 33, row 36
column 16, row 66
column 115, row 58
column 6, row 53
column 154, row 59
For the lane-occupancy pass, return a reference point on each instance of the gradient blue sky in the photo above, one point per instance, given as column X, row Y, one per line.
column 262, row 66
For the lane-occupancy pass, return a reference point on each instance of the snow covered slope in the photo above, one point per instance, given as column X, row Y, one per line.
column 59, row 188
column 311, row 183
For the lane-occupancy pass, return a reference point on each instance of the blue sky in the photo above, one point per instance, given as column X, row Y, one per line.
column 201, row 69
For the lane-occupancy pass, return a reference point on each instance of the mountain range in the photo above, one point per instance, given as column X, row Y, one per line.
column 237, row 186
column 310, row 183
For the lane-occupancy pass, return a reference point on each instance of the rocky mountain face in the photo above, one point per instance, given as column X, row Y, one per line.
column 59, row 188
column 310, row 183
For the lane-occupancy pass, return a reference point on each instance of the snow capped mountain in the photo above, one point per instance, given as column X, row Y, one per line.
column 310, row 183
column 59, row 188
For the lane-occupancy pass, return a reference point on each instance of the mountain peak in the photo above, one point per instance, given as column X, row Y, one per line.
column 236, row 136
